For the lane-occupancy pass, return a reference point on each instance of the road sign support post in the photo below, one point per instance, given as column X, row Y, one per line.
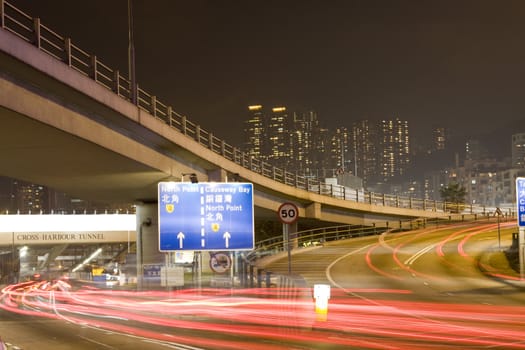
column 165, row 277
column 286, row 233
column 197, row 275
column 288, row 213
column 520, row 201
column 521, row 245
column 499, row 234
column 232, row 268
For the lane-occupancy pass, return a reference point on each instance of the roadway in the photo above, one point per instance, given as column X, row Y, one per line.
column 447, row 287
column 38, row 333
column 460, row 263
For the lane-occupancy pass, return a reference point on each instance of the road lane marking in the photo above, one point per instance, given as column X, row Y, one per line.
column 419, row 254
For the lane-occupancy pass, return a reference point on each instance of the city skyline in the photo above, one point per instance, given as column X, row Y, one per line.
column 381, row 156
column 454, row 141
column 452, row 63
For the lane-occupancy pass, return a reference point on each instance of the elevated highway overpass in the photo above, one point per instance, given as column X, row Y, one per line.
column 68, row 123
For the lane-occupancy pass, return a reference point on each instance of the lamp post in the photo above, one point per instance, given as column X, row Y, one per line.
column 498, row 213
column 193, row 177
column 131, row 56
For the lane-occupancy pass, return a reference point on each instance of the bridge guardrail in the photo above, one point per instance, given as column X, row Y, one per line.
column 310, row 238
column 62, row 48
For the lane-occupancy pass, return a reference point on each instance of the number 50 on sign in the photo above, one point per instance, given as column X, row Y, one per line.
column 288, row 213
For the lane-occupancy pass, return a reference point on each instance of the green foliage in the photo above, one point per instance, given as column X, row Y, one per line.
column 267, row 229
column 453, row 193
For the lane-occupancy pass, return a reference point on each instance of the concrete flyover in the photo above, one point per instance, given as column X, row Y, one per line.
column 75, row 132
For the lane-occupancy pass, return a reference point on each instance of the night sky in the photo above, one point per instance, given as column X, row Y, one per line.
column 453, row 63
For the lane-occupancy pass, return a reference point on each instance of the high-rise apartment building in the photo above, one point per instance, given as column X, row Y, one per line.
column 31, row 197
column 293, row 141
column 303, row 132
column 287, row 140
column 364, row 137
column 374, row 152
column 322, row 167
column 474, row 150
column 439, row 139
column 381, row 150
column 518, row 151
column 339, row 157
column 254, row 132
column 278, row 139
column 394, row 148
column 7, row 195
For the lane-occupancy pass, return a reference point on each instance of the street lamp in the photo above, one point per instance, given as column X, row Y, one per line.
column 131, row 57
column 193, row 177
column 498, row 213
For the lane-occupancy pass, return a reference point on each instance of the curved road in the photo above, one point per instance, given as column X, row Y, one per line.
column 461, row 263
column 438, row 288
column 445, row 288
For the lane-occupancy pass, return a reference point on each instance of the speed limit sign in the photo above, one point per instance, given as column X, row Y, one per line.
column 288, row 213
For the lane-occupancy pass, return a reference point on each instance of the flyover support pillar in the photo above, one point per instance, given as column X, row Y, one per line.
column 147, row 240
column 217, row 175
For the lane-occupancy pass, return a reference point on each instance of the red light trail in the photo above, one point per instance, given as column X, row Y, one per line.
column 259, row 319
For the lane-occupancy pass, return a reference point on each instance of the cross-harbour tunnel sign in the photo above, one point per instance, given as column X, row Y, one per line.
column 205, row 216
column 19, row 238
column 21, row 229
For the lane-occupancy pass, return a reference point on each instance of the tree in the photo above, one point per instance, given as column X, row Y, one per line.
column 453, row 193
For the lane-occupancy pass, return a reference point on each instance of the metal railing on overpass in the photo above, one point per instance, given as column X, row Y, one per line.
column 310, row 238
column 63, row 49
column 69, row 212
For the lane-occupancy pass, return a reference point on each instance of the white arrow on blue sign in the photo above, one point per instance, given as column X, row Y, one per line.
column 520, row 200
column 205, row 216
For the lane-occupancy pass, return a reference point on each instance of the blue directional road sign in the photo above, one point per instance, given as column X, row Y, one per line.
column 205, row 216
column 520, row 200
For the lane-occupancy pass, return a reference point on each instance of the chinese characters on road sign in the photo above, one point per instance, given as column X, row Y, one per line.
column 205, row 216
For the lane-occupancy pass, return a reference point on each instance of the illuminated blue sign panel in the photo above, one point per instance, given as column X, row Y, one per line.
column 520, row 200
column 205, row 216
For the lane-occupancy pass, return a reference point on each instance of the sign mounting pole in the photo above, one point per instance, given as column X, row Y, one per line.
column 288, row 213
column 520, row 201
